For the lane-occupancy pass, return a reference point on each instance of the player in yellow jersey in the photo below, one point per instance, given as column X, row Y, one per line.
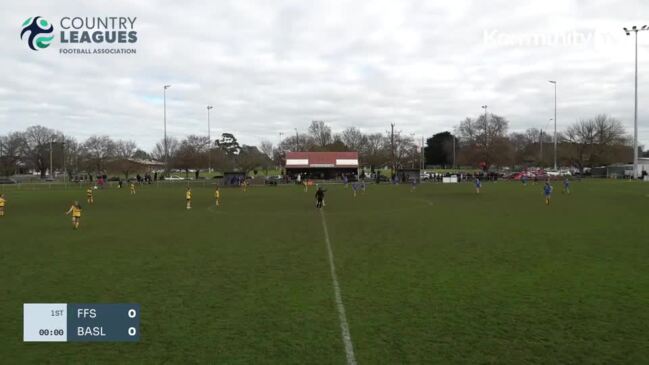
column 188, row 198
column 306, row 186
column 244, row 185
column 3, row 202
column 132, row 186
column 89, row 195
column 75, row 209
column 217, row 196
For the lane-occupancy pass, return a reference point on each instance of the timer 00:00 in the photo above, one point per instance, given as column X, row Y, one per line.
column 56, row 332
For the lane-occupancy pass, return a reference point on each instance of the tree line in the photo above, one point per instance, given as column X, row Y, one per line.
column 40, row 148
column 481, row 142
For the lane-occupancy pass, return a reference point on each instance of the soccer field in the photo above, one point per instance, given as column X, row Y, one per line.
column 439, row 275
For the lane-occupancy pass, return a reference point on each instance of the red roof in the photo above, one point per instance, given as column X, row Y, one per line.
column 322, row 159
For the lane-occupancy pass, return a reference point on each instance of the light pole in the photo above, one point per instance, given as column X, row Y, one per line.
column 164, row 96
column 209, row 141
column 423, row 156
column 279, row 156
column 63, row 160
column 454, row 151
column 51, row 164
column 635, row 115
column 555, row 123
column 297, row 141
column 486, row 127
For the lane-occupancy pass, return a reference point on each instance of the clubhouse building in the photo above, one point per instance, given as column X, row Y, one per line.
column 321, row 165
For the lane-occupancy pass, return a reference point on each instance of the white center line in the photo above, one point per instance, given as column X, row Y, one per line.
column 344, row 326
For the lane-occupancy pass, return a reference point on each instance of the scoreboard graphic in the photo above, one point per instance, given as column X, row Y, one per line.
column 65, row 322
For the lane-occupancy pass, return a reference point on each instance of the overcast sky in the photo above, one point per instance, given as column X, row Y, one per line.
column 272, row 66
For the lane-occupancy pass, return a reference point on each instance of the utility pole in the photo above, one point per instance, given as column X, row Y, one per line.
column 209, row 140
column 392, row 147
column 279, row 157
column 164, row 97
column 541, row 146
column 453, row 151
column 423, row 162
column 63, row 160
column 297, row 141
column 555, row 123
column 51, row 164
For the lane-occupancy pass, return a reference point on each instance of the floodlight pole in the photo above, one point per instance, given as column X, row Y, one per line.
column 164, row 93
column 454, row 151
column 555, row 123
column 635, row 29
column 486, row 127
column 279, row 156
column 209, row 141
column 423, row 162
column 297, row 141
column 51, row 164
column 63, row 154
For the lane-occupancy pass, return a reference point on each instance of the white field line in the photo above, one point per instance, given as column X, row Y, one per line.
column 344, row 326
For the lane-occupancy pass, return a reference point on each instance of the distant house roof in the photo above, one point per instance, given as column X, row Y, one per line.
column 321, row 160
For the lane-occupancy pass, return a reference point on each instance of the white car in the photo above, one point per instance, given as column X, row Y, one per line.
column 174, row 178
column 558, row 173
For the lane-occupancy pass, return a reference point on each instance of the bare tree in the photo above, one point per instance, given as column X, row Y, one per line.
column 321, row 133
column 124, row 152
column 267, row 148
column 10, row 152
column 353, row 138
column 36, row 149
column 596, row 141
column 192, row 153
column 98, row 150
column 158, row 152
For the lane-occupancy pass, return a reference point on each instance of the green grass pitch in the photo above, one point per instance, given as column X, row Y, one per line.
column 439, row 275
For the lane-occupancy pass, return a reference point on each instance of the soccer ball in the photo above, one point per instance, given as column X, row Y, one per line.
column 96, row 187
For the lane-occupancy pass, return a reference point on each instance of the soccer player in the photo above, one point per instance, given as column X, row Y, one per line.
column 89, row 195
column 547, row 191
column 566, row 186
column 132, row 187
column 306, row 186
column 244, row 184
column 319, row 196
column 478, row 185
column 413, row 184
column 188, row 198
column 3, row 202
column 217, row 196
column 75, row 209
column 356, row 186
column 524, row 180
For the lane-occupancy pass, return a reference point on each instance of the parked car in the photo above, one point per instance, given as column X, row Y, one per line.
column 174, row 178
column 272, row 180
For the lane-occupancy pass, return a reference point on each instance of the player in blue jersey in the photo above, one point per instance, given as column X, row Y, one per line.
column 566, row 186
column 356, row 187
column 478, row 185
column 547, row 191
